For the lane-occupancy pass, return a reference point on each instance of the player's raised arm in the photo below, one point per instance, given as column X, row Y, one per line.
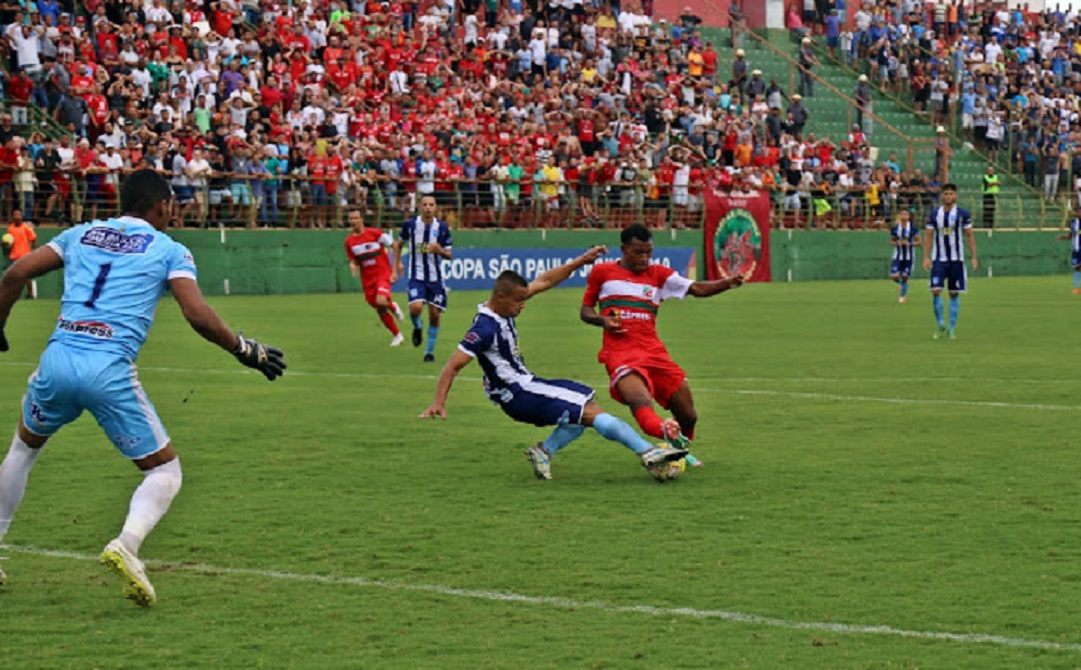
column 704, row 289
column 205, row 321
column 33, row 265
column 458, row 360
column 560, row 274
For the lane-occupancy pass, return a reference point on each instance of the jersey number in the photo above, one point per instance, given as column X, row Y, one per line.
column 99, row 284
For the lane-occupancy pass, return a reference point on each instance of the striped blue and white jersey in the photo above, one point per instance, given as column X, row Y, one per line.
column 493, row 341
column 1075, row 236
column 115, row 272
column 423, row 265
column 904, row 232
column 947, row 229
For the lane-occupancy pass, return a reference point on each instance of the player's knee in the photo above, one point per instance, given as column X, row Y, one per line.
column 169, row 475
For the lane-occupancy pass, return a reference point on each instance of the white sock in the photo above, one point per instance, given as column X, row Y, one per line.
column 150, row 502
column 13, row 474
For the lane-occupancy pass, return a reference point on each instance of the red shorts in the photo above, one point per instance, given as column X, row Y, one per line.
column 380, row 286
column 662, row 376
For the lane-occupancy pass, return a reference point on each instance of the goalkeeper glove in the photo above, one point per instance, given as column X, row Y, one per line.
column 268, row 360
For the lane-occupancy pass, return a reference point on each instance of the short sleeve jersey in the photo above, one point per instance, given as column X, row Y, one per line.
column 636, row 299
column 493, row 341
column 904, row 232
column 366, row 249
column 946, row 228
column 115, row 273
column 424, row 265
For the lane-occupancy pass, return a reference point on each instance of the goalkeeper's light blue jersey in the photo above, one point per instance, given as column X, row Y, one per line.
column 115, row 272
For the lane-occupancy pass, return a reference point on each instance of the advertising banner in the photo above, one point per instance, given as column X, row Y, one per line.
column 737, row 235
column 477, row 269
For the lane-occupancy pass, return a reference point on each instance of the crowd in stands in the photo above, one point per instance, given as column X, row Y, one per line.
column 1006, row 78
column 270, row 112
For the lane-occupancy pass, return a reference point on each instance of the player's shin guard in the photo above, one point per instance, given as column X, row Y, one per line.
column 388, row 321
column 14, row 472
column 649, row 422
column 936, row 302
column 150, row 502
column 955, row 309
column 620, row 431
column 561, row 437
column 433, row 335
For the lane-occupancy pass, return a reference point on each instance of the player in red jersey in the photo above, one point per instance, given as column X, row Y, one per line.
column 365, row 248
column 628, row 294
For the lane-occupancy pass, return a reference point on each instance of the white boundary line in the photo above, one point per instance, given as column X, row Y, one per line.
column 790, row 394
column 571, row 604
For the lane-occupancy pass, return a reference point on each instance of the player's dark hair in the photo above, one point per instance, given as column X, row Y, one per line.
column 142, row 190
column 950, row 187
column 507, row 281
column 635, row 231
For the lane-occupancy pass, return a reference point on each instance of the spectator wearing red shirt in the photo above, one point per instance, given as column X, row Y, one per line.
column 20, row 89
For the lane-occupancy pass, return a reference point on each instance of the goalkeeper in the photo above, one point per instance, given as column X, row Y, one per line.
column 568, row 405
column 115, row 272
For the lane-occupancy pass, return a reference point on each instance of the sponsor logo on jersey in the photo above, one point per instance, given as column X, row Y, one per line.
column 738, row 244
column 116, row 241
column 91, row 328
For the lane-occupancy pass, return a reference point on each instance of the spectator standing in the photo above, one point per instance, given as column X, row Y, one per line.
column 989, row 187
column 807, row 61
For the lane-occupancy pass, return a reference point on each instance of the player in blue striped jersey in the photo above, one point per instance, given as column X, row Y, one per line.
column 1075, row 252
column 429, row 243
column 115, row 273
column 903, row 237
column 568, row 405
column 944, row 257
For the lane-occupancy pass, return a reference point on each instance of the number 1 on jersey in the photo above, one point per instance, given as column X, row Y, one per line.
column 99, row 283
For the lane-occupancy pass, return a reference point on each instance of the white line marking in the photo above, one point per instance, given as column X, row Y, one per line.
column 568, row 603
column 602, row 383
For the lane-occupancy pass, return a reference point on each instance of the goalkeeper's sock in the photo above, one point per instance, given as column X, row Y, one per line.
column 649, row 422
column 955, row 309
column 904, row 288
column 417, row 322
column 150, row 502
column 433, row 335
column 388, row 320
column 617, row 430
column 936, row 303
column 561, row 437
column 14, row 472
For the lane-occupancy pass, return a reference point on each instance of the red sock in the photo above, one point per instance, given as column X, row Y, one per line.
column 388, row 320
column 649, row 422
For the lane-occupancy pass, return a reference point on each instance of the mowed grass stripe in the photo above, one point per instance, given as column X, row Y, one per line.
column 570, row 603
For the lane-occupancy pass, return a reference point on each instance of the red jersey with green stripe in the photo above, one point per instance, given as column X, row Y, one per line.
column 366, row 250
column 611, row 289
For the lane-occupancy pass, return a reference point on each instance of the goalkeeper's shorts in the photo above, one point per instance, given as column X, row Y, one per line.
column 69, row 381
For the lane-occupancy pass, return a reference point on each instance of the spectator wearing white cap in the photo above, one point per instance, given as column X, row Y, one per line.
column 864, row 105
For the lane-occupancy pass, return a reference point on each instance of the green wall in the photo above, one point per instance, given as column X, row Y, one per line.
column 313, row 261
column 836, row 254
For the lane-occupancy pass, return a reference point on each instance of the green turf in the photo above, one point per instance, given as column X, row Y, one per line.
column 824, row 498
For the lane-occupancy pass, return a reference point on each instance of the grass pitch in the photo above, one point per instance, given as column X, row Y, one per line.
column 872, row 498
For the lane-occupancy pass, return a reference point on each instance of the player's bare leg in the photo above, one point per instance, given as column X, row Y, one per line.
column 383, row 309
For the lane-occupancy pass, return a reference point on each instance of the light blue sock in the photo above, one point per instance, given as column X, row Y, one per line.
column 433, row 334
column 936, row 302
column 417, row 322
column 955, row 309
column 620, row 431
column 904, row 288
column 561, row 437
column 1077, row 278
